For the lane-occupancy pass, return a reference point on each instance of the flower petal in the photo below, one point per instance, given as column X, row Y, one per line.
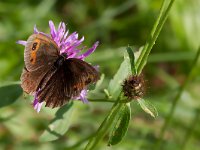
column 89, row 51
column 35, row 30
column 37, row 106
column 22, row 42
column 52, row 29
column 83, row 95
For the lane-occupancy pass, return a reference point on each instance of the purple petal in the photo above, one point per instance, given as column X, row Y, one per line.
column 22, row 42
column 35, row 30
column 73, row 54
column 61, row 31
column 91, row 50
column 96, row 67
column 83, row 95
column 52, row 29
column 78, row 42
column 71, row 37
column 37, row 106
column 65, row 34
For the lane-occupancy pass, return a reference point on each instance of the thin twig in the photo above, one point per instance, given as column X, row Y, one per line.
column 109, row 101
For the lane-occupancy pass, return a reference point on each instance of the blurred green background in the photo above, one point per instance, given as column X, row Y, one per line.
column 115, row 24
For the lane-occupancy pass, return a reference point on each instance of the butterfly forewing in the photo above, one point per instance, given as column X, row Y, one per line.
column 40, row 52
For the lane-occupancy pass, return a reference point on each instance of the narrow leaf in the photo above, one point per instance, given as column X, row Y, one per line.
column 131, row 60
column 9, row 94
column 114, row 87
column 99, row 82
column 121, row 125
column 97, row 93
column 148, row 107
column 59, row 125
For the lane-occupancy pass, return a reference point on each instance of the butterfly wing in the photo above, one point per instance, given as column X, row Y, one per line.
column 30, row 80
column 39, row 56
column 67, row 82
column 40, row 52
column 79, row 74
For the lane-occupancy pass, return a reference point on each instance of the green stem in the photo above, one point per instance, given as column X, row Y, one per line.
column 104, row 127
column 109, row 101
column 190, row 130
column 78, row 144
column 141, row 62
column 151, row 35
column 176, row 99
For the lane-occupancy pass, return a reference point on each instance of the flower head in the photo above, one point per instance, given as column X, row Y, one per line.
column 133, row 87
column 67, row 43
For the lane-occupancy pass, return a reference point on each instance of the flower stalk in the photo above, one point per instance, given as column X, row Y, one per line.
column 190, row 130
column 105, row 126
column 141, row 62
column 176, row 100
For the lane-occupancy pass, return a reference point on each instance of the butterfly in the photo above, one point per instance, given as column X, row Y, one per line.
column 56, row 77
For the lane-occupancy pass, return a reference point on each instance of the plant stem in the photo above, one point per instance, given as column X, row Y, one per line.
column 190, row 130
column 151, row 35
column 141, row 62
column 109, row 101
column 176, row 99
column 78, row 144
column 104, row 127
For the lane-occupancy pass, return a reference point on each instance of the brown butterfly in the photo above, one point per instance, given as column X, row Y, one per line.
column 57, row 78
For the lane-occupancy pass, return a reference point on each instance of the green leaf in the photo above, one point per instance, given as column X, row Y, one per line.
column 97, row 93
column 100, row 82
column 115, row 85
column 9, row 94
column 98, row 85
column 121, row 125
column 131, row 60
column 59, row 125
column 148, row 107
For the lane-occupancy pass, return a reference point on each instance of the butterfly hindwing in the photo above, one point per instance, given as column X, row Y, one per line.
column 53, row 90
column 80, row 73
column 31, row 80
column 67, row 82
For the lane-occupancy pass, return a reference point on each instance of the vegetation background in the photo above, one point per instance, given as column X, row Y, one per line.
column 115, row 24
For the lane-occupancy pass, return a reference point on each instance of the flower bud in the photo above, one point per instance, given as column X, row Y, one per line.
column 133, row 87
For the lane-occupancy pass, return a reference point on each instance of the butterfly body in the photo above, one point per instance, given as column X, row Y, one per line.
column 55, row 77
